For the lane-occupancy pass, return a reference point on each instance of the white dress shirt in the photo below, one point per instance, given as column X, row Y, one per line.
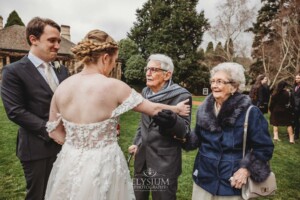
column 38, row 63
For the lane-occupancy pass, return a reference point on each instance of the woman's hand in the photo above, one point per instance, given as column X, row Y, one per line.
column 59, row 142
column 183, row 108
column 239, row 178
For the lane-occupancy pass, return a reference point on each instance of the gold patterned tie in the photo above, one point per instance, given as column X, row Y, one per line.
column 50, row 79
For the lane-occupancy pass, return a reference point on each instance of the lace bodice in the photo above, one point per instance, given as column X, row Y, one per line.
column 95, row 135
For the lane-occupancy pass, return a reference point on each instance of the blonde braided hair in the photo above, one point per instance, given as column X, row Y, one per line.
column 94, row 44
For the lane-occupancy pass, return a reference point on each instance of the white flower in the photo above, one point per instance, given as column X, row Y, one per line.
column 57, row 66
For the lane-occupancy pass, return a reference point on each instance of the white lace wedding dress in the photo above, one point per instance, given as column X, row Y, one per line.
column 91, row 165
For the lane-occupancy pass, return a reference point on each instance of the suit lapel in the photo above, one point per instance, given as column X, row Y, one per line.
column 33, row 72
column 60, row 76
column 297, row 93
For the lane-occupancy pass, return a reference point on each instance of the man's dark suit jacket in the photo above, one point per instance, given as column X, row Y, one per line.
column 161, row 153
column 26, row 98
column 296, row 95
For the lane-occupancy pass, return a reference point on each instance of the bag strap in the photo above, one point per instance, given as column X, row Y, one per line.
column 245, row 129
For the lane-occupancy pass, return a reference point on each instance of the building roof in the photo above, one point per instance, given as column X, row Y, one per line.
column 13, row 38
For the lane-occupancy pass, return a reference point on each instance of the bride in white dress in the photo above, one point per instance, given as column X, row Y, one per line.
column 84, row 116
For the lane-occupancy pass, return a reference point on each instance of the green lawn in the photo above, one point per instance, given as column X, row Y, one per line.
column 12, row 184
column 285, row 162
column 198, row 98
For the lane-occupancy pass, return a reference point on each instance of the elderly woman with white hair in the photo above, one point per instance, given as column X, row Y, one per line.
column 220, row 169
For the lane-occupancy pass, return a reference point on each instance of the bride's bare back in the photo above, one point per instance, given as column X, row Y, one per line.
column 90, row 98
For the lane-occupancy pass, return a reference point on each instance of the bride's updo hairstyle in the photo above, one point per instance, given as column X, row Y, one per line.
column 94, row 44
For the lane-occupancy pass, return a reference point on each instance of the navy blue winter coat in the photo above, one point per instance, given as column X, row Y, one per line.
column 220, row 143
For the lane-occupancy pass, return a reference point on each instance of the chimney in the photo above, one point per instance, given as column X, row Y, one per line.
column 1, row 22
column 65, row 32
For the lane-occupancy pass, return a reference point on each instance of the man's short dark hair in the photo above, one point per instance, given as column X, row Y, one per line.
column 37, row 25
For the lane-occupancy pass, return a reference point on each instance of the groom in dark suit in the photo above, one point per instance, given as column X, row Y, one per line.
column 27, row 89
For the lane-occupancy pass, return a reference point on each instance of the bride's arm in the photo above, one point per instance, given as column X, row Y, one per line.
column 150, row 108
column 55, row 127
column 122, row 91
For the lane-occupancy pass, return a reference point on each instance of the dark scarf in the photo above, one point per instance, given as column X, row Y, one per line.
column 231, row 109
column 169, row 91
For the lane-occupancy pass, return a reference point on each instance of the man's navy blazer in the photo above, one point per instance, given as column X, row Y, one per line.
column 26, row 98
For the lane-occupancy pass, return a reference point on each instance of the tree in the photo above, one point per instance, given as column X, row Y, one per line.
column 229, row 49
column 213, row 57
column 174, row 28
column 235, row 17
column 264, row 34
column 220, row 53
column 13, row 19
column 127, row 49
column 277, row 44
column 263, row 28
column 135, row 69
column 201, row 52
column 219, row 48
column 210, row 48
column 290, row 13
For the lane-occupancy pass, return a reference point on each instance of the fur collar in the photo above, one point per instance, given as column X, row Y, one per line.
column 231, row 109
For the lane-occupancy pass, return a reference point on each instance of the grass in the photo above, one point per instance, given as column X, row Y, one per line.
column 285, row 162
column 12, row 184
column 198, row 98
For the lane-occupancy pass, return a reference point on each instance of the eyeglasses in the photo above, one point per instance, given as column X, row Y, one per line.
column 220, row 82
column 154, row 69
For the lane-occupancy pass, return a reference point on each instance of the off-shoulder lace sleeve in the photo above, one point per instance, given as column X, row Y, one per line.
column 51, row 126
column 132, row 101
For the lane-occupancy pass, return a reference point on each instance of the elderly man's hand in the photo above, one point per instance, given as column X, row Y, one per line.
column 165, row 119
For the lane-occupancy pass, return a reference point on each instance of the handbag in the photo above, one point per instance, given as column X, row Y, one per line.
column 253, row 189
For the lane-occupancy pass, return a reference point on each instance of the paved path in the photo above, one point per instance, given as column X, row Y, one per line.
column 196, row 103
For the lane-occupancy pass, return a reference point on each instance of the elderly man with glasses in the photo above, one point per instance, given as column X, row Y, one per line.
column 158, row 140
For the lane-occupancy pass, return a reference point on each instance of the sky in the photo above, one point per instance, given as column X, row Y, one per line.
column 115, row 17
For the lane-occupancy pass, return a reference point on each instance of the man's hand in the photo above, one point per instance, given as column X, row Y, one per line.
column 44, row 136
column 133, row 149
column 165, row 119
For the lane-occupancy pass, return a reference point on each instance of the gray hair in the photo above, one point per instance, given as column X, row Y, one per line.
column 234, row 71
column 166, row 62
